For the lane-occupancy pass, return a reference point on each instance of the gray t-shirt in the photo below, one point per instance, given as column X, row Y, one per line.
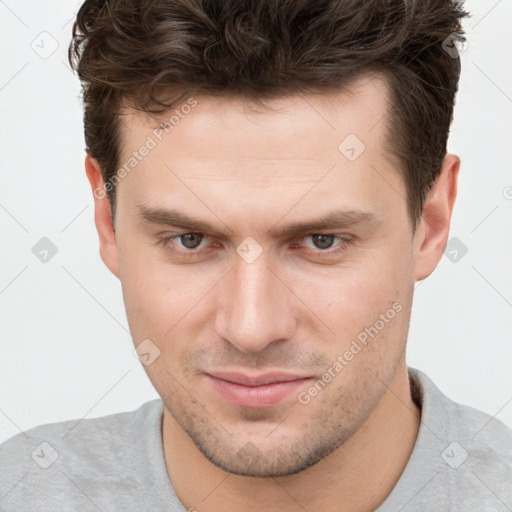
column 462, row 461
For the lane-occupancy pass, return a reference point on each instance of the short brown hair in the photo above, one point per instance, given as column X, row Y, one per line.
column 135, row 51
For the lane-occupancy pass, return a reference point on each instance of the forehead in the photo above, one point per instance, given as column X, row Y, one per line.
column 324, row 119
column 326, row 146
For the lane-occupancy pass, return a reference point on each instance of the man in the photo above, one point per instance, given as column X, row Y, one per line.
column 270, row 181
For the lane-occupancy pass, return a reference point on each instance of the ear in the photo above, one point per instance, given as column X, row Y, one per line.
column 434, row 226
column 103, row 216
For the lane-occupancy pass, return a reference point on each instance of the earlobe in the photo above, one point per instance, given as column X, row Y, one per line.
column 103, row 216
column 434, row 226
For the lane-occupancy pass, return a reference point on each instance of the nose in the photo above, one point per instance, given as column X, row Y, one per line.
column 256, row 308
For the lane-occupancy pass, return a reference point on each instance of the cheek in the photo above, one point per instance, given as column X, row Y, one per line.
column 346, row 297
column 351, row 299
column 163, row 300
column 149, row 291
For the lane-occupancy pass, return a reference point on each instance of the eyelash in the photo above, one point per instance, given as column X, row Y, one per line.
column 345, row 242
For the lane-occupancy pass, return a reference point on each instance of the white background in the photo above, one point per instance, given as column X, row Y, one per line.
column 65, row 347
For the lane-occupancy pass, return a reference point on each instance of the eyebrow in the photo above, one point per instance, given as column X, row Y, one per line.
column 340, row 219
column 178, row 219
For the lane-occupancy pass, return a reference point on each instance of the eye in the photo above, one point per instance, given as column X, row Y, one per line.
column 196, row 244
column 190, row 241
column 322, row 241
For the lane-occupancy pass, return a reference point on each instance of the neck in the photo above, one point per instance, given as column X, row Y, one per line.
column 357, row 477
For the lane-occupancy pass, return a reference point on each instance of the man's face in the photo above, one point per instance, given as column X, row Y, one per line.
column 248, row 300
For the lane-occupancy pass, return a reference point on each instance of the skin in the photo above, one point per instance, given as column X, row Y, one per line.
column 294, row 308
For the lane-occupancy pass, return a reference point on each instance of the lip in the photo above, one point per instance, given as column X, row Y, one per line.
column 258, row 391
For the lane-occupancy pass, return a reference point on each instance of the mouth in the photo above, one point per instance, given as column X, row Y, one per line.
column 257, row 391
